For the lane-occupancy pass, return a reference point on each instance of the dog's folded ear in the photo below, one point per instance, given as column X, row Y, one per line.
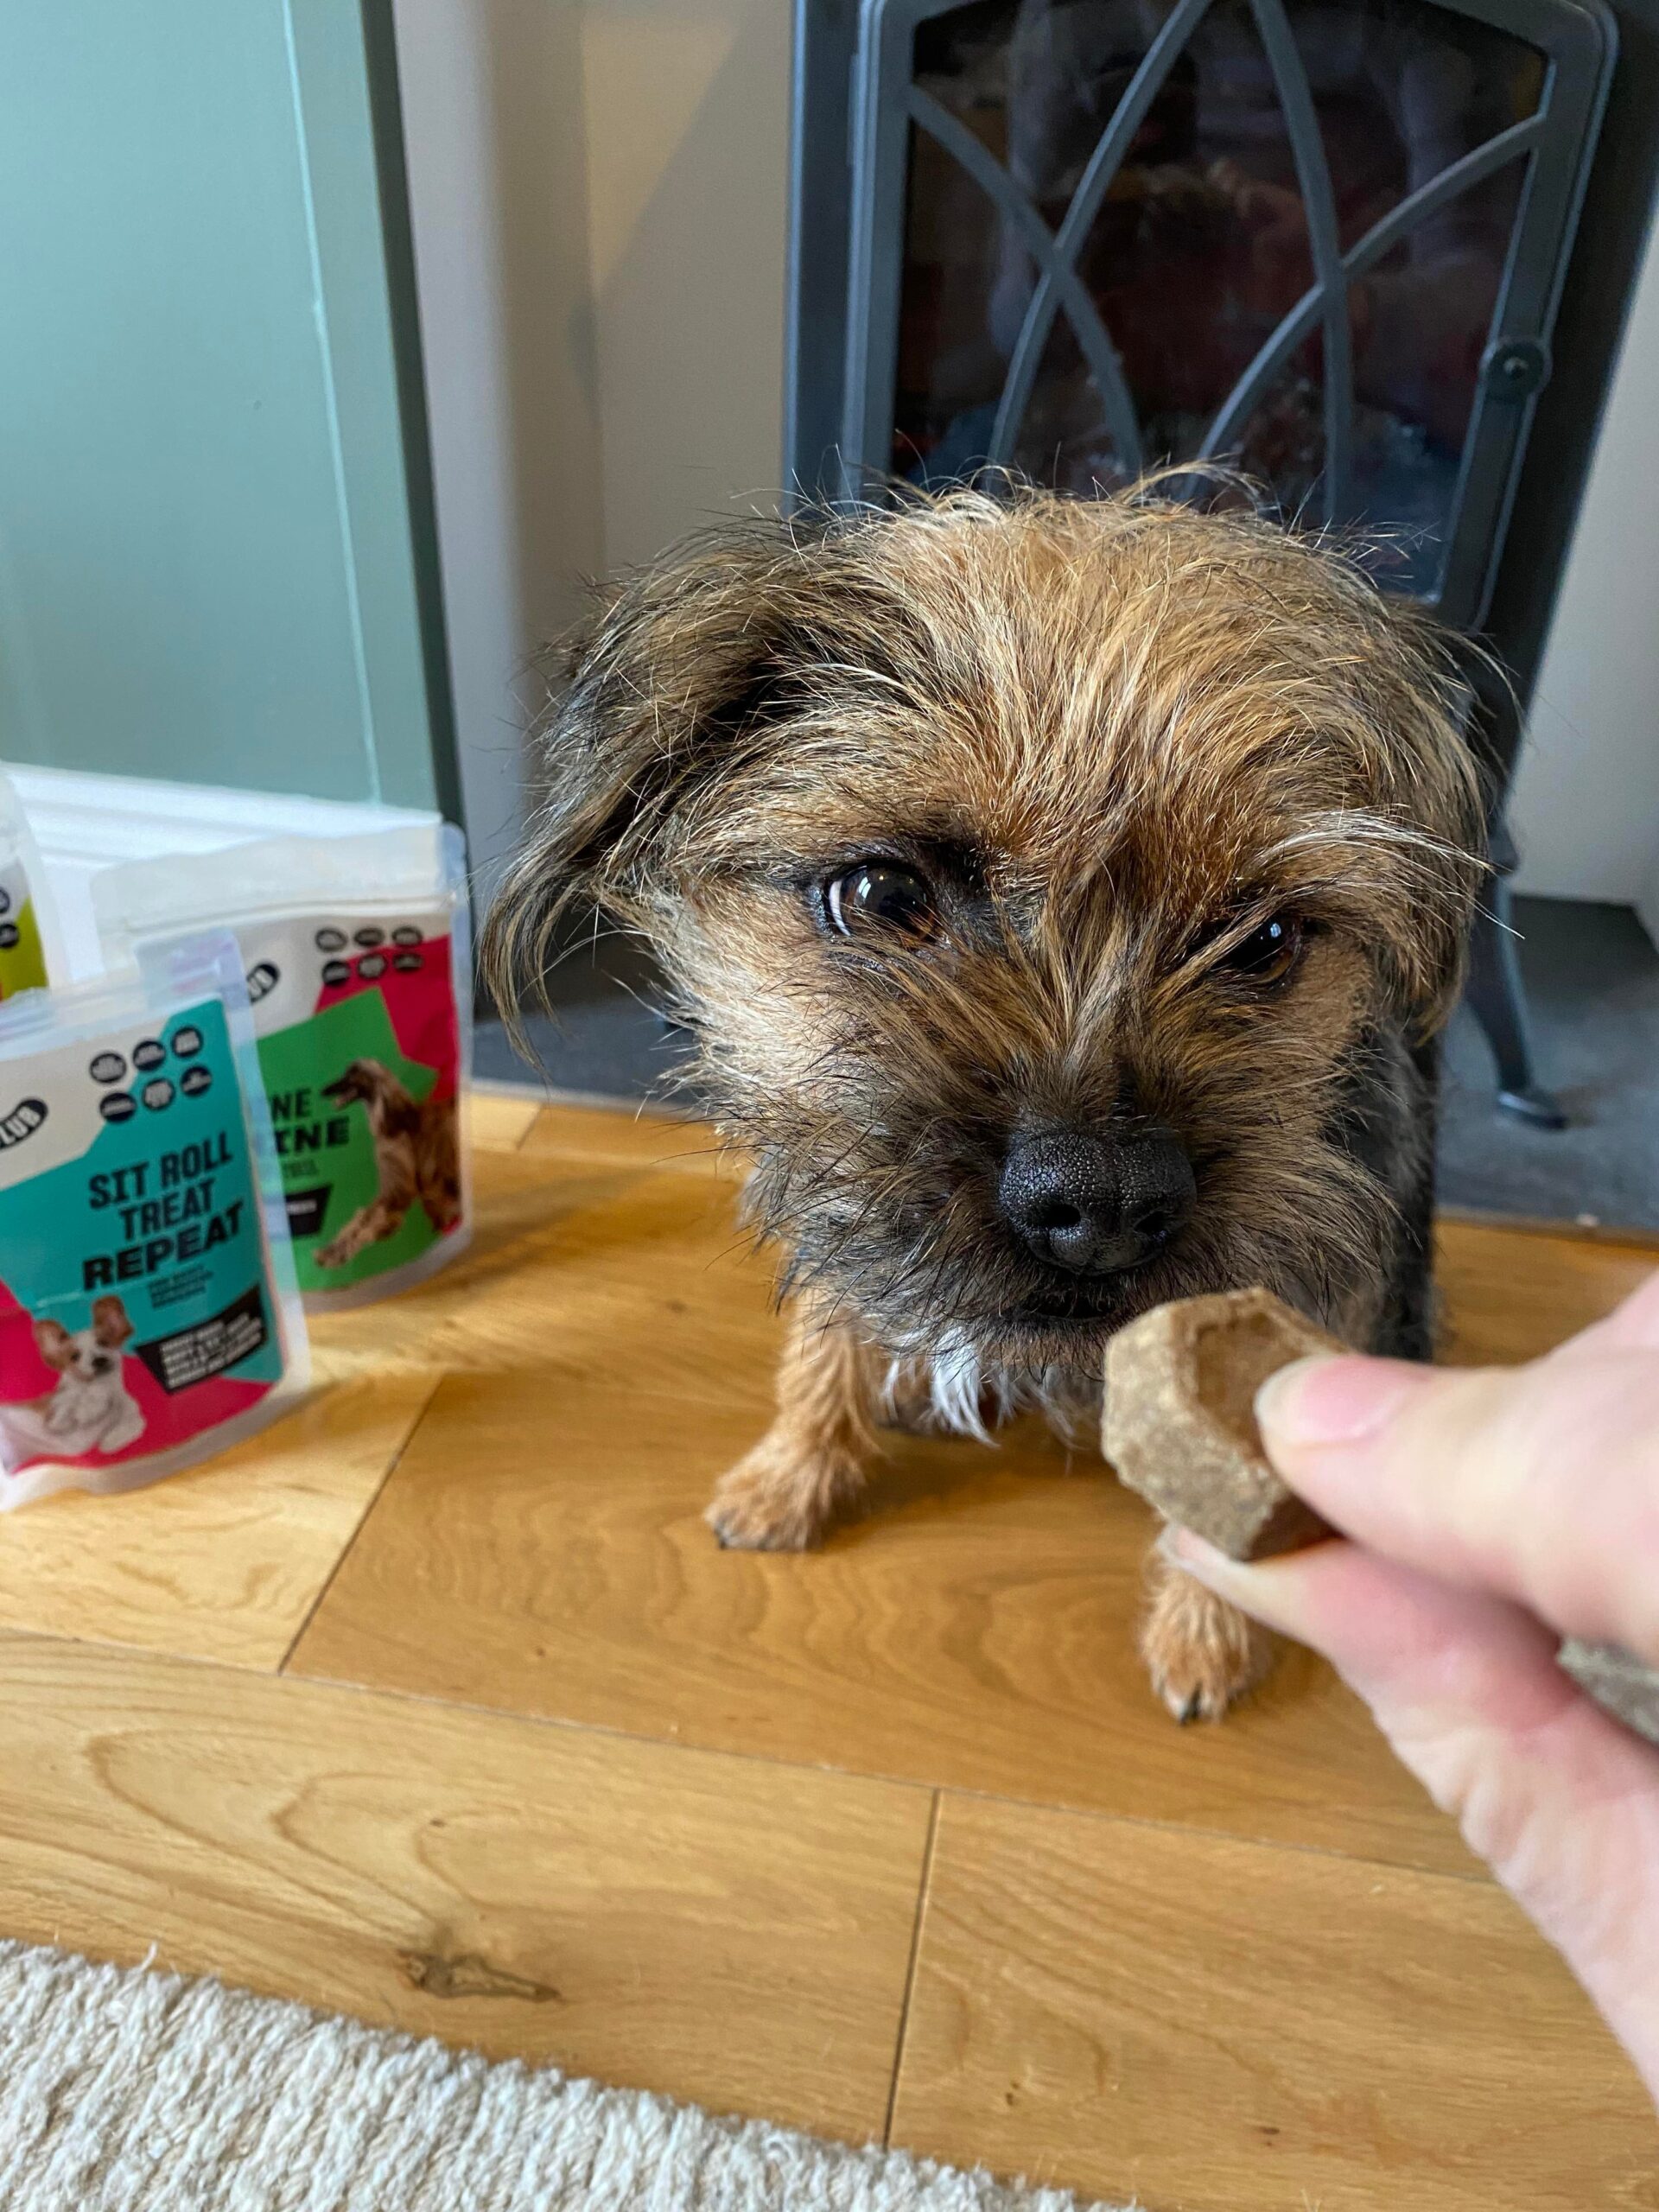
column 111, row 1324
column 54, row 1344
column 687, row 658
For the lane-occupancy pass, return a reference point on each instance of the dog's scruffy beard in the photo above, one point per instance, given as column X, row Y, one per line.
column 1110, row 740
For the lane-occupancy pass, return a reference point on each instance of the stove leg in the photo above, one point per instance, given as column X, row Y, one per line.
column 1496, row 998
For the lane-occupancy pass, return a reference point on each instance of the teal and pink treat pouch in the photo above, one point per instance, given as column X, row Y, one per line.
column 148, row 1314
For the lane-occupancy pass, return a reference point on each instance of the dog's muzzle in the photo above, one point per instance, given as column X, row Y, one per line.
column 1093, row 1203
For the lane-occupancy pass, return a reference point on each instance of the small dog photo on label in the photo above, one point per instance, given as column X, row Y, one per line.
column 89, row 1407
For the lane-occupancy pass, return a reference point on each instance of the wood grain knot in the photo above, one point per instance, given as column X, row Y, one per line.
column 469, row 1974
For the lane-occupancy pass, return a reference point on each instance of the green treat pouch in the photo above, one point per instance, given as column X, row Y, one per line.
column 357, row 961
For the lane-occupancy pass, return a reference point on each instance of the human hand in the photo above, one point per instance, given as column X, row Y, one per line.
column 1491, row 1511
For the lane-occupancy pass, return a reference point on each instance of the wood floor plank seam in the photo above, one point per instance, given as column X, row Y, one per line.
column 543, row 1723
column 428, row 1700
column 1474, row 1875
column 940, row 1794
column 359, row 1524
column 1198, row 2023
column 636, row 1112
column 922, row 1887
column 550, row 1103
column 736, row 1936
column 484, row 1101
column 556, row 1100
column 51, row 1639
column 607, row 1732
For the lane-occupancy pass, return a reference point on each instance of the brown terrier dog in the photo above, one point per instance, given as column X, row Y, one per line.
column 1063, row 894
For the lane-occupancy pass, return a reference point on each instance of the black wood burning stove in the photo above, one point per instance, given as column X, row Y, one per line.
column 1330, row 242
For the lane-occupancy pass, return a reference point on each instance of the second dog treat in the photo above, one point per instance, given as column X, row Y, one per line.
column 1619, row 1683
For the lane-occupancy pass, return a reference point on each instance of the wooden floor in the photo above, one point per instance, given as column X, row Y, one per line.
column 438, row 1705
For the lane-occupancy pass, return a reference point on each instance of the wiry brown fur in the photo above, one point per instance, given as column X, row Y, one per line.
column 1117, row 733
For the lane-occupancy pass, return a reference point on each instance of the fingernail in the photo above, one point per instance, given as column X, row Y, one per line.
column 1333, row 1399
column 1182, row 1548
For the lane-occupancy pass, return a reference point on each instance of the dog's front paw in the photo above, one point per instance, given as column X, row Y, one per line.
column 1201, row 1653
column 779, row 1500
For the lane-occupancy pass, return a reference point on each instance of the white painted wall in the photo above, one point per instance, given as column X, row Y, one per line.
column 597, row 191
column 1585, row 806
column 494, row 128
column 687, row 107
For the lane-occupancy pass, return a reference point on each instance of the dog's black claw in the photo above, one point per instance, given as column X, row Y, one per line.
column 1192, row 1711
column 720, row 1537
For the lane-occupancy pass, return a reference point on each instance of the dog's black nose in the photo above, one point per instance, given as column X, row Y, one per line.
column 1096, row 1204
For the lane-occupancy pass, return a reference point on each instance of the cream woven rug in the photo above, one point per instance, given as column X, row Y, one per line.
column 128, row 2091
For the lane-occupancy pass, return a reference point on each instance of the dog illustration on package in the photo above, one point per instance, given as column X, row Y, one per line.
column 89, row 1409
column 416, row 1159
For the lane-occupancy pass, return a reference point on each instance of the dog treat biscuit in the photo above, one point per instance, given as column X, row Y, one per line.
column 1179, row 1421
column 1179, row 1427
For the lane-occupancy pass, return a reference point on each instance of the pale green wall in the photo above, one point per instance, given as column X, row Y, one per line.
column 205, row 562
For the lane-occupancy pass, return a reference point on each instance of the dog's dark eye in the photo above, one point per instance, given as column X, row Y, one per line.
column 1267, row 954
column 881, row 895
